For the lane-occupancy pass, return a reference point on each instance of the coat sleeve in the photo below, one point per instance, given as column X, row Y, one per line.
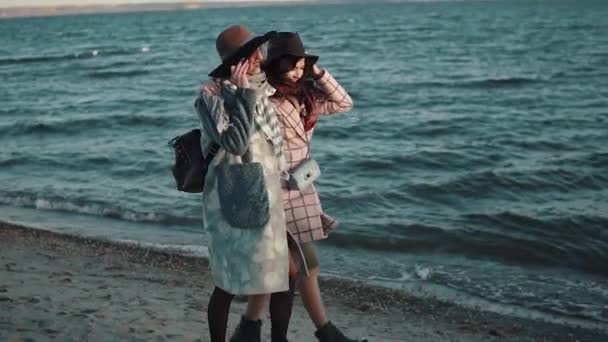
column 332, row 96
column 227, row 120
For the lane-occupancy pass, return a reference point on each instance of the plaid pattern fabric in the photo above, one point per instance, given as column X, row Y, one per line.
column 303, row 211
column 334, row 99
column 305, row 217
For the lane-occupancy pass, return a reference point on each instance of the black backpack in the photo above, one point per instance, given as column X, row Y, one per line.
column 190, row 166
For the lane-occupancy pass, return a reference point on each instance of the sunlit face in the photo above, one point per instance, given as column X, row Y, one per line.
column 295, row 74
column 254, row 62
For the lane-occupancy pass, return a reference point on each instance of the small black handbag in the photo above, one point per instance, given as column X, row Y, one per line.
column 190, row 166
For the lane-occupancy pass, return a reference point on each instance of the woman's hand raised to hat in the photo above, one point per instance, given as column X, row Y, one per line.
column 238, row 74
column 317, row 72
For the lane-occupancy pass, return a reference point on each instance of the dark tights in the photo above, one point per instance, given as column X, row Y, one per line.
column 281, row 304
column 217, row 314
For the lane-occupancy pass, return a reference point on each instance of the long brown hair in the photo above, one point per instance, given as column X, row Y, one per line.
column 304, row 91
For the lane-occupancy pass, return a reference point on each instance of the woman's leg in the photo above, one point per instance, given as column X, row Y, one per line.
column 217, row 314
column 309, row 286
column 281, row 304
column 311, row 297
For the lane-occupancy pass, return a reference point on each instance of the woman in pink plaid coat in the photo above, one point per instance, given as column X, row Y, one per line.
column 303, row 92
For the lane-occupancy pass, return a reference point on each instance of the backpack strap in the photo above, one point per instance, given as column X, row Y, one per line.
column 212, row 150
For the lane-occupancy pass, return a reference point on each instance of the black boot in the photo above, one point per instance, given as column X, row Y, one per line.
column 247, row 331
column 329, row 333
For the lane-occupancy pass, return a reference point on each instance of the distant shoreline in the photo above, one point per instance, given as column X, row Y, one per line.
column 24, row 12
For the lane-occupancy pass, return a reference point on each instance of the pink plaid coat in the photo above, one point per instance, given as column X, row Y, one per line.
column 303, row 212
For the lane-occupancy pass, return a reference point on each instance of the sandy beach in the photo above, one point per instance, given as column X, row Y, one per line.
column 65, row 288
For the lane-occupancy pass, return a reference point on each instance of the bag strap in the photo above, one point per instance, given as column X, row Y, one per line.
column 213, row 149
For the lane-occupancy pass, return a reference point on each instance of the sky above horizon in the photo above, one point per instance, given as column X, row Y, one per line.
column 50, row 3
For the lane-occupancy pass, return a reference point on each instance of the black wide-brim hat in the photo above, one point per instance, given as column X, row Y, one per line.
column 235, row 44
column 287, row 44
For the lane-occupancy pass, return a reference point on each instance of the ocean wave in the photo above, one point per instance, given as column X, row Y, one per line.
column 67, row 57
column 484, row 83
column 40, row 59
column 598, row 159
column 79, row 125
column 576, row 241
column 136, row 169
column 428, row 160
column 502, row 82
column 111, row 64
column 118, row 73
column 13, row 160
column 535, row 144
column 581, row 227
column 591, row 159
column 517, row 183
column 120, row 164
column 90, row 207
column 65, row 160
column 585, row 250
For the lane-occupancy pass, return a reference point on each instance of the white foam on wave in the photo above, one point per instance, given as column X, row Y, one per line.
column 42, row 203
column 424, row 272
column 145, row 49
column 45, row 204
column 402, row 278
